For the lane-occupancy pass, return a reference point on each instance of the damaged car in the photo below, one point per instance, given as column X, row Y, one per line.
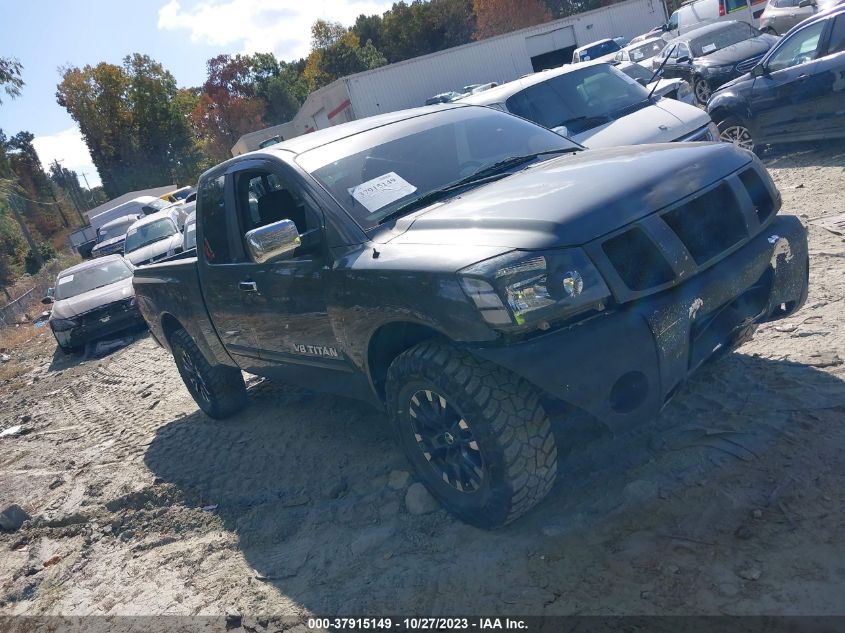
column 92, row 300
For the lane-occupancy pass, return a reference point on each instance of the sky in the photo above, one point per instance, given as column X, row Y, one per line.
column 181, row 34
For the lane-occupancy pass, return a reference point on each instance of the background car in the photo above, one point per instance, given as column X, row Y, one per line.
column 598, row 106
column 92, row 300
column 443, row 97
column 110, row 236
column 796, row 93
column 781, row 15
column 189, row 233
column 670, row 88
column 152, row 239
column 641, row 52
column 695, row 14
column 713, row 55
column 600, row 50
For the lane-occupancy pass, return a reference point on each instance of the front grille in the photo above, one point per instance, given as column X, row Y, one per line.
column 748, row 64
column 709, row 224
column 670, row 246
column 110, row 312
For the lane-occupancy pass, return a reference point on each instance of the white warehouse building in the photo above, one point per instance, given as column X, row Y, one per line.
column 409, row 83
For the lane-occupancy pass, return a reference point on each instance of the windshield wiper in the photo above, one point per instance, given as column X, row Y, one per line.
column 588, row 121
column 484, row 174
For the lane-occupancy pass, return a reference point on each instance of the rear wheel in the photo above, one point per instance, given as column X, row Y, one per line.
column 733, row 130
column 702, row 90
column 477, row 435
column 218, row 390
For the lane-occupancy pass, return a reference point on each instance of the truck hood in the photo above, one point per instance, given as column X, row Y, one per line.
column 67, row 308
column 155, row 250
column 660, row 123
column 571, row 200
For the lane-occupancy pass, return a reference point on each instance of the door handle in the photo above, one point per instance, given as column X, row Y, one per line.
column 247, row 286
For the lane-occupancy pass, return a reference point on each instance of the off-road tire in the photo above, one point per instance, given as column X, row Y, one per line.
column 225, row 391
column 511, row 430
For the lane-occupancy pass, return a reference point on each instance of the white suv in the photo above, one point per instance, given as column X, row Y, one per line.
column 596, row 105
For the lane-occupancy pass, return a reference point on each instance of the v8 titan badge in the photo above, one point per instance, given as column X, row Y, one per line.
column 316, row 350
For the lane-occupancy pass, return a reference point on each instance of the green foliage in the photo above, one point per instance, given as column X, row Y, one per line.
column 31, row 263
column 10, row 77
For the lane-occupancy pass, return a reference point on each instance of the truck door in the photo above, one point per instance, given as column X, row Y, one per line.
column 221, row 271
column 288, row 311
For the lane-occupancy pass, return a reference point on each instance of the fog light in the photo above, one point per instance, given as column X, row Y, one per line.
column 573, row 283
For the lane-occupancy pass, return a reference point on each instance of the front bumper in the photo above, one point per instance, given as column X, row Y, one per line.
column 623, row 365
column 96, row 328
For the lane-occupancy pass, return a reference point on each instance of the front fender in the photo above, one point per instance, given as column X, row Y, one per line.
column 727, row 103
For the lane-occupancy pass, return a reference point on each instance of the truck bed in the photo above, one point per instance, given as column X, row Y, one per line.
column 169, row 297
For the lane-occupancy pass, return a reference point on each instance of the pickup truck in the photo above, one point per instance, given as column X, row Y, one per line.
column 479, row 278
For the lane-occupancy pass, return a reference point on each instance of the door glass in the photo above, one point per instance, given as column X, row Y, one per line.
column 837, row 35
column 215, row 236
column 263, row 198
column 800, row 48
column 735, row 5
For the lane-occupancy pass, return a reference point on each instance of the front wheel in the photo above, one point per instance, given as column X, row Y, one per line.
column 476, row 435
column 218, row 390
column 702, row 90
column 733, row 130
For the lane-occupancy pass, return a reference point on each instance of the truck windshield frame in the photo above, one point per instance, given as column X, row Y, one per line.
column 151, row 233
column 397, row 159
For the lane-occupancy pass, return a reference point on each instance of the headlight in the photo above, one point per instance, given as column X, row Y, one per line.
column 521, row 287
column 713, row 132
column 684, row 90
column 63, row 325
column 715, row 71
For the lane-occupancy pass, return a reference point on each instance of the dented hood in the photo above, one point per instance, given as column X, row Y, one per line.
column 96, row 298
column 571, row 200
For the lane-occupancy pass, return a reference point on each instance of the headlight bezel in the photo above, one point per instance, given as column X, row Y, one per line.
column 63, row 325
column 526, row 289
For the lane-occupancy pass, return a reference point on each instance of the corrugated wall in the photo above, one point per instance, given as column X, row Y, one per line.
column 504, row 58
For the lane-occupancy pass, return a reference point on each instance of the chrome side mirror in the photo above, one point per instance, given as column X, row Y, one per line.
column 272, row 241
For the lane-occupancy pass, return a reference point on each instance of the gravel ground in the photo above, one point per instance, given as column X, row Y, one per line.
column 731, row 502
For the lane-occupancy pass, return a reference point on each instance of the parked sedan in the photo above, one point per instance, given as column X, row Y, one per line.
column 670, row 88
column 796, row 93
column 712, row 55
column 92, row 300
column 641, row 52
column 598, row 105
column 781, row 15
column 152, row 238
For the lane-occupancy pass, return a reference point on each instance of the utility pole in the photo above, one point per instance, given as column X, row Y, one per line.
column 69, row 190
column 25, row 230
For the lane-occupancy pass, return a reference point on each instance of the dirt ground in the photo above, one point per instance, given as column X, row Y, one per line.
column 731, row 502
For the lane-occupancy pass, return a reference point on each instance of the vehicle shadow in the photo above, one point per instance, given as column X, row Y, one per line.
column 303, row 481
column 827, row 153
column 95, row 350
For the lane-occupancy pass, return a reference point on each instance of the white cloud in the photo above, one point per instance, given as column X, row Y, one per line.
column 282, row 27
column 70, row 150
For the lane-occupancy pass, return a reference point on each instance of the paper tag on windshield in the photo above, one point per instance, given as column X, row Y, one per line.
column 65, row 279
column 381, row 191
column 708, row 48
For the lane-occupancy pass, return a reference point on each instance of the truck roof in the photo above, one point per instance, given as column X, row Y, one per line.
column 309, row 141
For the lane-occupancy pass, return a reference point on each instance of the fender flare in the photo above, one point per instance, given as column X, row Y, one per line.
column 724, row 104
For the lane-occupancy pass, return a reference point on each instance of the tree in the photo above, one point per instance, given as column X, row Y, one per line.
column 341, row 56
column 10, row 77
column 132, row 122
column 494, row 17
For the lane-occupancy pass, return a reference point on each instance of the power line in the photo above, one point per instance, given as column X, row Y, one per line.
column 17, row 195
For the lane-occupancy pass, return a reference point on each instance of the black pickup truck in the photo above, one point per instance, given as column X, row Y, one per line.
column 477, row 277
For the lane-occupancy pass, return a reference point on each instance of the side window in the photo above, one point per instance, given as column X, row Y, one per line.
column 799, row 48
column 735, row 5
column 837, row 35
column 682, row 50
column 673, row 22
column 213, row 211
column 264, row 198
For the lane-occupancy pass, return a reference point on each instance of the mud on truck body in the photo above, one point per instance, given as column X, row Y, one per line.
column 477, row 277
